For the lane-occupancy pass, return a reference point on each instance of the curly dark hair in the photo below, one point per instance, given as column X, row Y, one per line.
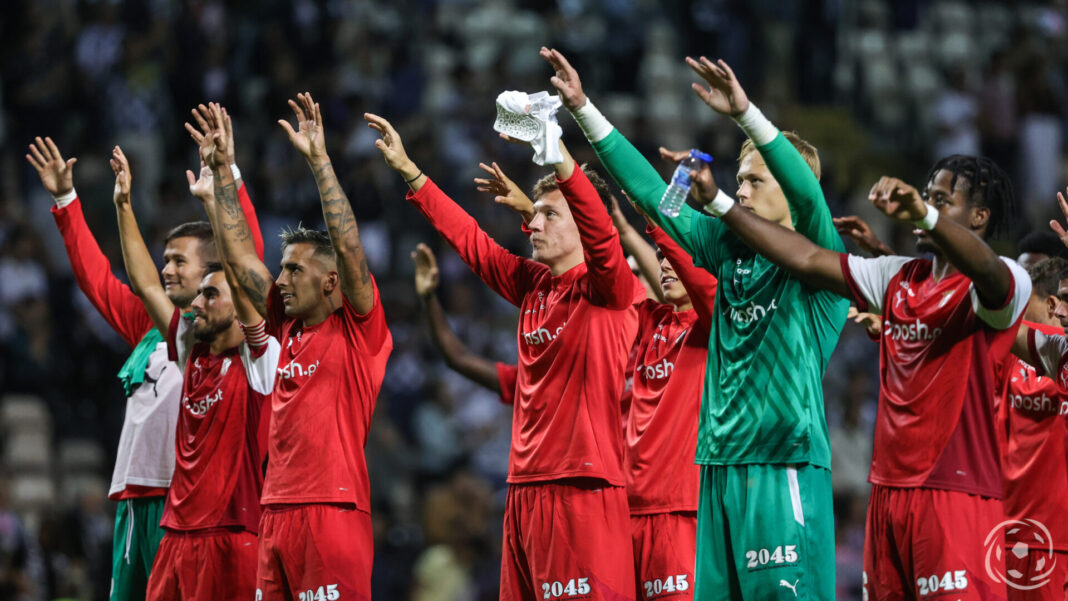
column 988, row 186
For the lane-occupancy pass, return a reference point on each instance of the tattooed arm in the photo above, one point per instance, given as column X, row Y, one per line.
column 237, row 249
column 337, row 212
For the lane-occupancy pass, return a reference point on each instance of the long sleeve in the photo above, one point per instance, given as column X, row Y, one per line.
column 612, row 283
column 504, row 272
column 251, row 218
column 700, row 284
column 640, row 180
column 92, row 270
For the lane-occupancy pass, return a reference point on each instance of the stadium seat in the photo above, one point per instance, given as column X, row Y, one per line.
column 25, row 413
column 80, row 455
column 28, row 452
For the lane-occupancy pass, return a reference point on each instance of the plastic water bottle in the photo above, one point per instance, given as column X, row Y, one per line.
column 679, row 188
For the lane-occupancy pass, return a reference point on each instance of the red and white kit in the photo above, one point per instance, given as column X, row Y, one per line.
column 661, row 430
column 212, row 511
column 329, row 377
column 575, row 331
column 935, row 462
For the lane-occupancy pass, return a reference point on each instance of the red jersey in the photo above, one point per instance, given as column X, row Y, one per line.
column 575, row 330
column 661, row 430
column 329, row 376
column 222, row 432
column 1035, row 417
column 938, row 354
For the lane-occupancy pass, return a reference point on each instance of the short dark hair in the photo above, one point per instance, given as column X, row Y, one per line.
column 213, row 267
column 1043, row 243
column 548, row 183
column 1046, row 275
column 201, row 230
column 302, row 235
column 988, row 186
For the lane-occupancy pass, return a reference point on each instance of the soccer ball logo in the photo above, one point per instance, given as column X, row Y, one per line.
column 1031, row 535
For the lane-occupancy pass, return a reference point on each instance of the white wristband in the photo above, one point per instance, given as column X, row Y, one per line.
column 720, row 204
column 755, row 125
column 929, row 220
column 65, row 199
column 592, row 122
column 235, row 171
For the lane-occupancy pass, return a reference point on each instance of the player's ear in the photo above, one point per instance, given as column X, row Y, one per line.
column 980, row 217
column 330, row 282
column 1051, row 305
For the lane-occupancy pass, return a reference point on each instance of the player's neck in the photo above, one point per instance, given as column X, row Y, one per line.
column 940, row 267
column 566, row 264
column 324, row 309
column 683, row 308
column 227, row 339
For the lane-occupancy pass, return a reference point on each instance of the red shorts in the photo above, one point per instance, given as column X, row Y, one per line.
column 922, row 543
column 1036, row 576
column 314, row 553
column 664, row 549
column 565, row 541
column 212, row 565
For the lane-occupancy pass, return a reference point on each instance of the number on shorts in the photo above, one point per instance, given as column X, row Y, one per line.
column 323, row 593
column 950, row 581
column 671, row 584
column 573, row 587
column 779, row 555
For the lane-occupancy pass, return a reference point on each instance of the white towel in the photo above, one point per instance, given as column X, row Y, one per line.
column 531, row 118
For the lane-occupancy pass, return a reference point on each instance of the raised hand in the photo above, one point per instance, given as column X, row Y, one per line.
column 565, row 80
column 391, row 147
column 872, row 323
column 505, row 191
column 427, row 275
column 704, row 188
column 860, row 232
column 202, row 187
column 211, row 137
column 228, row 130
column 724, row 94
column 121, row 167
column 1054, row 225
column 897, row 199
column 57, row 174
column 308, row 138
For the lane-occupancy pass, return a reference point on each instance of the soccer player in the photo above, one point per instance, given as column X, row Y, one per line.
column 212, row 510
column 765, row 521
column 1032, row 429
column 566, row 501
column 144, row 461
column 315, row 535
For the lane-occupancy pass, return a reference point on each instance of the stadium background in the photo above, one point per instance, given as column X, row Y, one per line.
column 879, row 87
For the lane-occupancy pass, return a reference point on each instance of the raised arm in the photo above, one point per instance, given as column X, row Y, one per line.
column 505, row 191
column 504, row 272
column 967, row 252
column 456, row 354
column 92, row 270
column 800, row 185
column 237, row 248
column 860, row 232
column 634, row 174
column 636, row 246
column 139, row 266
column 352, row 268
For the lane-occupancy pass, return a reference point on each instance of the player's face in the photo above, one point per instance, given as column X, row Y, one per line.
column 554, row 236
column 952, row 203
column 302, row 280
column 1061, row 312
column 674, row 291
column 183, row 268
column 759, row 192
column 213, row 309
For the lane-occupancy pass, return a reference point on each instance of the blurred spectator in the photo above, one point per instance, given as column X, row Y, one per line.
column 956, row 113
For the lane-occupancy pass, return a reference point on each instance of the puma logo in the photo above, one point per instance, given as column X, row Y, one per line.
column 792, row 587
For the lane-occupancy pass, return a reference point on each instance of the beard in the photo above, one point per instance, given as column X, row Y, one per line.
column 181, row 299
column 207, row 330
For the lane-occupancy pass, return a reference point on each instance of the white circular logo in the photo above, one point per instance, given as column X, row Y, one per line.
column 1031, row 535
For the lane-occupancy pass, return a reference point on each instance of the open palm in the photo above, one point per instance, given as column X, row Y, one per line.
column 57, row 174
column 308, row 137
column 724, row 94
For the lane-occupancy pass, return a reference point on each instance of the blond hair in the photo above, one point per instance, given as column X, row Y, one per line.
column 808, row 151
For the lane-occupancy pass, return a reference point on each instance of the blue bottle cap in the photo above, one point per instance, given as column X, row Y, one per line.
column 697, row 154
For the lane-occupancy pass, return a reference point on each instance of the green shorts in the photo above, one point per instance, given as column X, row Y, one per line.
column 133, row 546
column 765, row 532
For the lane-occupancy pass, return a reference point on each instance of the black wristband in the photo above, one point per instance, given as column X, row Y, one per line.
column 408, row 181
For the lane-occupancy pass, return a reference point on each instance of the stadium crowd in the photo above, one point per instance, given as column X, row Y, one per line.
column 877, row 86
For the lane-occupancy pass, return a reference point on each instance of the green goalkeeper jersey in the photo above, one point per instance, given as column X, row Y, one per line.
column 772, row 335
